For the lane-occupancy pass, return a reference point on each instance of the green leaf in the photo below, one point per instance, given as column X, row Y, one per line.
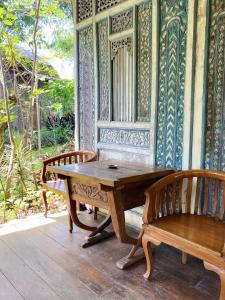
column 32, row 13
column 7, row 22
column 38, row 91
column 2, row 11
column 4, row 119
column 11, row 17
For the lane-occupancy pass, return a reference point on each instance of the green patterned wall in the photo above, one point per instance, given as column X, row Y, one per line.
column 172, row 61
column 215, row 127
column 144, row 56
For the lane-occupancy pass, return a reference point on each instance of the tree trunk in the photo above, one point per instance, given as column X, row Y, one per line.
column 29, row 129
column 9, row 124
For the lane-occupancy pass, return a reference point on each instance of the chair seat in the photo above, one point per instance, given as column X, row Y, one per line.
column 200, row 230
column 55, row 186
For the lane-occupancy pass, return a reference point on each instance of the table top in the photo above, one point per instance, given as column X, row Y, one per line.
column 98, row 172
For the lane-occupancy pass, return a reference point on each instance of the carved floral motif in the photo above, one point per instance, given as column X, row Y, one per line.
column 122, row 21
column 215, row 129
column 86, row 89
column 91, row 192
column 173, row 34
column 103, row 59
column 144, row 36
column 128, row 137
column 104, row 4
column 84, row 9
column 115, row 46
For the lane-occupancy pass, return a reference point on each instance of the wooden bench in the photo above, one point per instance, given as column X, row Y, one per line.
column 51, row 182
column 186, row 210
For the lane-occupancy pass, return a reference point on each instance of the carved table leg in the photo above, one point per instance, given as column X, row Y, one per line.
column 99, row 234
column 136, row 254
column 118, row 220
column 72, row 209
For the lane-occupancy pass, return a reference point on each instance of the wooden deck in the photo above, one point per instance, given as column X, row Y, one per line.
column 40, row 259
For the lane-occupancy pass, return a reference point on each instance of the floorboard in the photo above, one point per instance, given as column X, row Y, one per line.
column 47, row 262
column 7, row 291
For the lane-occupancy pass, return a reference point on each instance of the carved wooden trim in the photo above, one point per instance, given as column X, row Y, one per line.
column 104, row 4
column 84, row 9
column 115, row 46
column 172, row 56
column 128, row 137
column 215, row 129
column 122, row 21
column 91, row 192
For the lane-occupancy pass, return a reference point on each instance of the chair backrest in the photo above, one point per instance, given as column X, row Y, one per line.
column 199, row 192
column 65, row 159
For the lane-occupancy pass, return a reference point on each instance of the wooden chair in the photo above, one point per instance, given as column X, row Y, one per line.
column 50, row 182
column 186, row 210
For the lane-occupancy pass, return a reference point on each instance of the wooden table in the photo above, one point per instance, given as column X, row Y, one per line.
column 115, row 190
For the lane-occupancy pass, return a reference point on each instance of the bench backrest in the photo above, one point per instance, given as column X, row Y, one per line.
column 64, row 159
column 199, row 192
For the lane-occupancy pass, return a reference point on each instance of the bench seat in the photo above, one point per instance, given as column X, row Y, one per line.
column 196, row 230
column 56, row 186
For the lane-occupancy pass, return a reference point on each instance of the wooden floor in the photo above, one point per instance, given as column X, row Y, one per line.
column 44, row 261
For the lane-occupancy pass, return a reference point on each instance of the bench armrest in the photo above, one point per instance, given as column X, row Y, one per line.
column 81, row 156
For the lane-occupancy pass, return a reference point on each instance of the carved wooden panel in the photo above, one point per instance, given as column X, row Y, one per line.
column 122, row 21
column 84, row 9
column 86, row 89
column 172, row 56
column 123, row 43
column 128, row 137
column 91, row 192
column 104, row 4
column 103, row 67
column 215, row 130
column 144, row 36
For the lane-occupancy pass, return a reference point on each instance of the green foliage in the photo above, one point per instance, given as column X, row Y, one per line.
column 17, row 20
column 20, row 176
column 56, row 136
column 59, row 96
column 63, row 43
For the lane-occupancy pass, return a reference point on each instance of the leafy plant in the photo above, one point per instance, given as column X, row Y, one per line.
column 20, row 175
column 59, row 96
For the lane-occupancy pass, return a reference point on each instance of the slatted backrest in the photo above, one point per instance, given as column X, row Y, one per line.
column 195, row 191
column 64, row 159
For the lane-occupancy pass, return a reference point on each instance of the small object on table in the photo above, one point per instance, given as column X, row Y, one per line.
column 113, row 166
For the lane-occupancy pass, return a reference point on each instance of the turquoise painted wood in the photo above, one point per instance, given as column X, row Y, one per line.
column 172, row 58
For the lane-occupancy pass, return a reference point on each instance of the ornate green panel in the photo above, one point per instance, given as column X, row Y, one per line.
column 103, row 67
column 172, row 62
column 215, row 128
column 144, row 38
column 86, row 89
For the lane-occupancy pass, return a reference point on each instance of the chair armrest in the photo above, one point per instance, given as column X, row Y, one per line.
column 149, row 211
